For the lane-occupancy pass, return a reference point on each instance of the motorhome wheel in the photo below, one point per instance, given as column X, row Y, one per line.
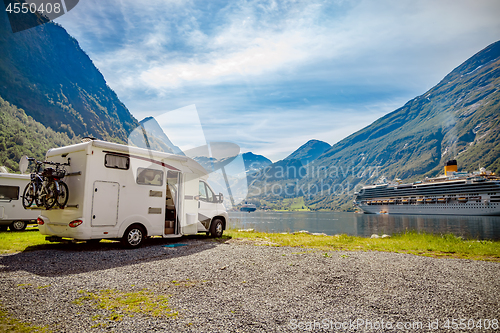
column 217, row 228
column 133, row 237
column 17, row 226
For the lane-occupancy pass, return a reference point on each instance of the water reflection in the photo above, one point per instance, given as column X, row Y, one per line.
column 331, row 223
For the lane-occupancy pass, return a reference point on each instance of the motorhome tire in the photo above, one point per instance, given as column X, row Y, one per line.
column 217, row 228
column 133, row 236
column 17, row 226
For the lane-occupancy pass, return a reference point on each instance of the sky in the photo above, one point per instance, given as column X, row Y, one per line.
column 271, row 75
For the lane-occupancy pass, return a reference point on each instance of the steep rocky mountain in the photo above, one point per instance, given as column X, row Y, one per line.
column 44, row 71
column 309, row 151
column 459, row 118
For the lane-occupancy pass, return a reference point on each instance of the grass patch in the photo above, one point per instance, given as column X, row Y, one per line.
column 13, row 325
column 424, row 244
column 19, row 241
column 120, row 304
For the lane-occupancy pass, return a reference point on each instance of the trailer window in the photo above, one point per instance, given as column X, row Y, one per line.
column 149, row 177
column 116, row 161
column 9, row 192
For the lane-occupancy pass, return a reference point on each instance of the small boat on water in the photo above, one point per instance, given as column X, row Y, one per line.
column 248, row 208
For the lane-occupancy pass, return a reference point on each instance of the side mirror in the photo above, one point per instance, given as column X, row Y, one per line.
column 220, row 198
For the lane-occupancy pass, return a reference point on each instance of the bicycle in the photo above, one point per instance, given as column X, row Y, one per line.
column 55, row 179
column 32, row 191
column 46, row 187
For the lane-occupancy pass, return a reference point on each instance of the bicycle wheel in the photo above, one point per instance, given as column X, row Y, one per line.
column 28, row 195
column 38, row 195
column 62, row 197
column 49, row 195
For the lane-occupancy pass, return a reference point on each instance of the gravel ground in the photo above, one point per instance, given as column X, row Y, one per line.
column 235, row 286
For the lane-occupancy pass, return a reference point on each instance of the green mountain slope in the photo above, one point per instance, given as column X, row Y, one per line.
column 458, row 118
column 44, row 71
column 21, row 135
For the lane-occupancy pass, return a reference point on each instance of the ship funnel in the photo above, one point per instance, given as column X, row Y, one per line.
column 451, row 166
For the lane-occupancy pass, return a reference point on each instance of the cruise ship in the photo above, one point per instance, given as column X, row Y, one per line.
column 454, row 193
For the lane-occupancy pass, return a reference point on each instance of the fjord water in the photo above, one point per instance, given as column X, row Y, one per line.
column 364, row 225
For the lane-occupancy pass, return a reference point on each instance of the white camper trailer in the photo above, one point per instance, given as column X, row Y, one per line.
column 128, row 193
column 12, row 212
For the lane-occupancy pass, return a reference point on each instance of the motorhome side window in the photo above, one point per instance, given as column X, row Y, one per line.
column 206, row 193
column 9, row 192
column 116, row 161
column 149, row 177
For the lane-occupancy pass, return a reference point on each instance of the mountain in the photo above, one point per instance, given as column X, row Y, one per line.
column 459, row 118
column 255, row 162
column 21, row 135
column 309, row 151
column 44, row 71
column 156, row 137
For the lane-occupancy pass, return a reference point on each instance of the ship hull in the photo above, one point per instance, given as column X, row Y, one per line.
column 469, row 209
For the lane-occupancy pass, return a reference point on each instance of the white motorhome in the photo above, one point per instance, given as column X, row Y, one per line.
column 12, row 212
column 128, row 193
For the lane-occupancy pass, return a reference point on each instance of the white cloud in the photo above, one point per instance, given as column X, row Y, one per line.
column 267, row 74
column 261, row 41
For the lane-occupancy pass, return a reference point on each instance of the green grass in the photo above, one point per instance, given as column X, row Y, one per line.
column 425, row 244
column 287, row 204
column 120, row 304
column 13, row 325
column 19, row 241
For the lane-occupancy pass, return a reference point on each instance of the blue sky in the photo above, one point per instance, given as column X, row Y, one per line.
column 270, row 75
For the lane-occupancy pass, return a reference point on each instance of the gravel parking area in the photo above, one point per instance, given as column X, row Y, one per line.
column 235, row 286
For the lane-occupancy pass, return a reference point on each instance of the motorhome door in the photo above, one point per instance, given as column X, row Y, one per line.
column 105, row 203
column 189, row 218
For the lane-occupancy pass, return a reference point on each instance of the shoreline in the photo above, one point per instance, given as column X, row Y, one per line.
column 420, row 244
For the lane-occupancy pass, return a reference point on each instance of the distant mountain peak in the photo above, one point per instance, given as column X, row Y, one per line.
column 309, row 151
column 255, row 162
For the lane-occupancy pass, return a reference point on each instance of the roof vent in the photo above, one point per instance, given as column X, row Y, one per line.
column 88, row 139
